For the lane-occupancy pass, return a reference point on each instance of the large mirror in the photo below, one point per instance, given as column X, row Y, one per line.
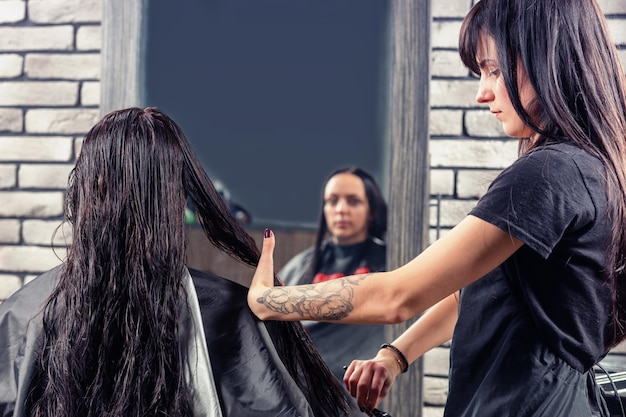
column 273, row 94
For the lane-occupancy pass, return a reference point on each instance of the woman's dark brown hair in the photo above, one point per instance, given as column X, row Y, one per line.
column 110, row 340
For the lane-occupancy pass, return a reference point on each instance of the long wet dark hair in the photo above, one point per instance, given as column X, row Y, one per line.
column 377, row 226
column 110, row 329
column 565, row 49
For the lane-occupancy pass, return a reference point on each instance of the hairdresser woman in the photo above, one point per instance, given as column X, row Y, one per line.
column 539, row 262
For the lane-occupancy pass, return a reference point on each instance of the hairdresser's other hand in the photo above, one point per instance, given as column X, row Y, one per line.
column 263, row 278
column 369, row 381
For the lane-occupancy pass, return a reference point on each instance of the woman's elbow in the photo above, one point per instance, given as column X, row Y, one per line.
column 401, row 314
column 401, row 308
column 396, row 313
column 258, row 309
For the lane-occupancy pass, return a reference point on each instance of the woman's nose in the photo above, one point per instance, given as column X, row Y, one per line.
column 341, row 205
column 485, row 92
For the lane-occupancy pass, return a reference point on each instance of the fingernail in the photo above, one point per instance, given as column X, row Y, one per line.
column 268, row 233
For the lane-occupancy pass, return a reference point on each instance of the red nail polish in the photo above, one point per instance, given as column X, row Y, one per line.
column 268, row 233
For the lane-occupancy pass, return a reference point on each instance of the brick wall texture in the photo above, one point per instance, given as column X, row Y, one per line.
column 49, row 97
column 50, row 94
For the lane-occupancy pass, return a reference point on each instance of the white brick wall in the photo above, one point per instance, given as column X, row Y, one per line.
column 8, row 178
column 11, row 65
column 88, row 38
column 36, row 38
column 44, row 176
column 46, row 232
column 9, row 233
column 34, row 204
column 35, row 148
column 612, row 6
column 30, row 259
column 12, row 11
column 62, row 66
column 50, row 94
column 38, row 93
column 11, row 120
column 65, row 11
column 60, row 121
column 445, row 63
column 90, row 93
column 49, row 97
column 470, row 153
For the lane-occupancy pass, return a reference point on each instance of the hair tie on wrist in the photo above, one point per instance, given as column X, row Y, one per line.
column 404, row 364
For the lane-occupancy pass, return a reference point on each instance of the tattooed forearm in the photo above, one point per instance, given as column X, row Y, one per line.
column 331, row 300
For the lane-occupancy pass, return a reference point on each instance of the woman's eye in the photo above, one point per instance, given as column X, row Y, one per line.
column 494, row 72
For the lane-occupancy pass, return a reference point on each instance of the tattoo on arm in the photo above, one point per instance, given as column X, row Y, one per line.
column 331, row 300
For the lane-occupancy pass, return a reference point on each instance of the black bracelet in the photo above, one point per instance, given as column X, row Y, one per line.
column 404, row 364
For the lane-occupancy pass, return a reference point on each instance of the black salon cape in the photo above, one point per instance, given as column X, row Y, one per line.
column 250, row 378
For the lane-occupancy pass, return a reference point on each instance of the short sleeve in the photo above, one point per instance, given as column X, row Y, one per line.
column 538, row 198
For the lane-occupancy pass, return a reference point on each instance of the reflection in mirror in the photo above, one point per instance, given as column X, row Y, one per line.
column 273, row 95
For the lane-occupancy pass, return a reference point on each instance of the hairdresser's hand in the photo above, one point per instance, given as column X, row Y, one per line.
column 263, row 278
column 369, row 381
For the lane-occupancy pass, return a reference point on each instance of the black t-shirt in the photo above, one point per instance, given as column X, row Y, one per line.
column 529, row 331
